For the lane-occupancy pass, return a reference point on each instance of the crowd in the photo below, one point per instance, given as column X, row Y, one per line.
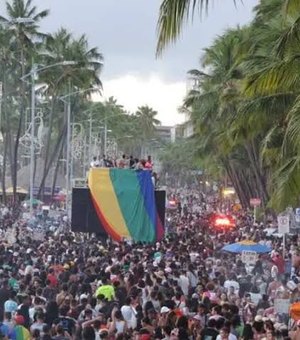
column 184, row 287
column 124, row 162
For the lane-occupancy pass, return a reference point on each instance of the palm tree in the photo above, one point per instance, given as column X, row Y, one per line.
column 24, row 39
column 83, row 76
column 146, row 116
column 225, row 129
column 7, row 65
column 277, row 77
column 247, row 104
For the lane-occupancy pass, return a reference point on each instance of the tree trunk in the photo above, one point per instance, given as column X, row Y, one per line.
column 237, row 185
column 47, row 147
column 54, row 153
column 56, row 170
column 18, row 135
column 3, row 180
column 5, row 133
column 257, row 173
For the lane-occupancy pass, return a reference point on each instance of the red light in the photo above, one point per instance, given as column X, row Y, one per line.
column 172, row 202
column 224, row 221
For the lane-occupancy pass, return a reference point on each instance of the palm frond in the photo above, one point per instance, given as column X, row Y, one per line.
column 281, row 76
column 292, row 136
column 173, row 14
column 288, row 39
column 285, row 182
column 41, row 15
column 292, row 7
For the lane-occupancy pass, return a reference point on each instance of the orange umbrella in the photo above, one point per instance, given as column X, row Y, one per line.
column 295, row 311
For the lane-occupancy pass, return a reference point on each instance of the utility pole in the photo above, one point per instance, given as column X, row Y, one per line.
column 32, row 137
column 68, row 154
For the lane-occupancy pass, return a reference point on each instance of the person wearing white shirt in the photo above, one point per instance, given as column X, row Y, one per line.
column 231, row 282
column 184, row 284
column 226, row 335
column 95, row 163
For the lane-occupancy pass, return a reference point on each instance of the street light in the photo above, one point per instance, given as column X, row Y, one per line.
column 68, row 140
column 33, row 73
column 106, row 130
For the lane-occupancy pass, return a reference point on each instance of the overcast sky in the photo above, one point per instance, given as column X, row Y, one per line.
column 125, row 32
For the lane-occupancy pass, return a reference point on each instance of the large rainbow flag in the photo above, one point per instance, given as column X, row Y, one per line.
column 125, row 204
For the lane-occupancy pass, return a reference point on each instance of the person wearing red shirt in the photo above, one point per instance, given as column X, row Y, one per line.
column 52, row 278
column 279, row 262
column 149, row 164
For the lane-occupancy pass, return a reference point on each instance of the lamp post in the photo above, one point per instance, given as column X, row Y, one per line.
column 106, row 130
column 32, row 74
column 68, row 156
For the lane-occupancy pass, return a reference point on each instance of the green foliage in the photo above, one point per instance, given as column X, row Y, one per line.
column 58, row 83
column 173, row 14
column 246, row 105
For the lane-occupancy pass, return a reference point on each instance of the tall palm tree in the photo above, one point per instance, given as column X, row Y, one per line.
column 83, row 76
column 278, row 77
column 25, row 39
column 223, row 130
column 146, row 124
column 7, row 66
column 146, row 117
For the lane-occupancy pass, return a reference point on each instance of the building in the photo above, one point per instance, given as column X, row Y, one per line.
column 164, row 134
column 188, row 130
column 188, row 127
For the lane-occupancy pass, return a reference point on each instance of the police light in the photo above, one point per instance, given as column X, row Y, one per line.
column 224, row 221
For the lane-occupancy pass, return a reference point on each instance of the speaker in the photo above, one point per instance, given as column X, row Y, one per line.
column 84, row 217
column 80, row 199
column 160, row 199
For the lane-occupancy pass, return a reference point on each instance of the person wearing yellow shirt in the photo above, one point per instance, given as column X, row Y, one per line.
column 106, row 289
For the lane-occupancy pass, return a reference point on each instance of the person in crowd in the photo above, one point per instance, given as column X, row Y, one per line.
column 132, row 162
column 149, row 164
column 95, row 163
column 122, row 162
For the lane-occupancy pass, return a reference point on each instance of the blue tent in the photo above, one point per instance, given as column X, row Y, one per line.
column 246, row 245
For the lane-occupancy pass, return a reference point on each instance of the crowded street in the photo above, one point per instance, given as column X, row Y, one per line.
column 149, row 170
column 73, row 286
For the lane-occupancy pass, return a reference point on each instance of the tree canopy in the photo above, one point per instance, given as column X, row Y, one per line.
column 245, row 105
column 69, row 72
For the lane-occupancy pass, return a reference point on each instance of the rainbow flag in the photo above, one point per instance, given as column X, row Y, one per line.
column 125, row 204
column 21, row 333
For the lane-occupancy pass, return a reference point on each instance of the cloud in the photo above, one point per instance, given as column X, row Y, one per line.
column 132, row 91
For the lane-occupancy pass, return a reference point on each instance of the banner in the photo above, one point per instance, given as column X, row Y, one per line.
column 249, row 257
column 282, row 306
column 283, row 224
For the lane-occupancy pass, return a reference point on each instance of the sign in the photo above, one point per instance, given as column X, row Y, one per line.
column 10, row 236
column 283, row 224
column 255, row 298
column 282, row 306
column 228, row 191
column 47, row 190
column 297, row 215
column 38, row 236
column 255, row 202
column 79, row 183
column 249, row 257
